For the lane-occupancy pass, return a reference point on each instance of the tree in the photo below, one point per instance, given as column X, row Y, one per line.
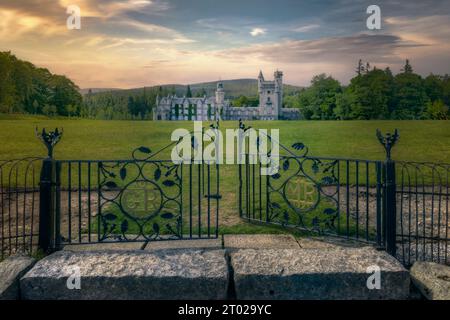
column 318, row 101
column 371, row 95
column 360, row 68
column 410, row 97
column 437, row 110
column 188, row 92
column 407, row 68
column 49, row 110
column 434, row 87
column 244, row 101
column 344, row 103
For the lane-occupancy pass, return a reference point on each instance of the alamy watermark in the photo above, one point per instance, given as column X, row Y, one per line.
column 208, row 147
column 373, row 22
column 73, row 22
column 74, row 280
column 374, row 280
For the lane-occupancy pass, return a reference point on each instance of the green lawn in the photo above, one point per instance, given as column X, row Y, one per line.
column 95, row 139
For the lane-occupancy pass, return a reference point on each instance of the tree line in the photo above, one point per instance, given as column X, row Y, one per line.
column 25, row 88
column 372, row 94
column 375, row 94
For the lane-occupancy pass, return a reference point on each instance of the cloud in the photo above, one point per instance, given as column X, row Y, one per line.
column 306, row 28
column 141, row 42
column 111, row 8
column 379, row 47
column 258, row 32
column 14, row 24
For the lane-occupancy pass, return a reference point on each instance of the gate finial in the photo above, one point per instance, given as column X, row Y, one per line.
column 388, row 141
column 49, row 139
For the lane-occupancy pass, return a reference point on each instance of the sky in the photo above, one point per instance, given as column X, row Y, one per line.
column 135, row 43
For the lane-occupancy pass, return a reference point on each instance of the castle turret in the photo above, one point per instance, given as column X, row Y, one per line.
column 278, row 79
column 220, row 94
column 260, row 81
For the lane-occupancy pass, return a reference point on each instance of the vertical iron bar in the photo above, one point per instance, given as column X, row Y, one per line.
column 391, row 208
column 45, row 206
column 379, row 198
column 260, row 192
column 190, row 200
column 432, row 211
column 253, row 188
column 2, row 188
column 446, row 219
column 348, row 198
column 79, row 202
column 423, row 217
column 33, row 198
column 339, row 197
column 57, row 221
column 200, row 200
column 217, row 199
column 439, row 220
column 89, row 201
column 417, row 213
column 367, row 199
column 247, row 186
column 9, row 211
column 357, row 198
column 181, row 201
column 409, row 218
column 240, row 189
column 267, row 198
column 401, row 211
column 99, row 201
column 25, row 191
column 17, row 206
column 69, row 200
column 209, row 199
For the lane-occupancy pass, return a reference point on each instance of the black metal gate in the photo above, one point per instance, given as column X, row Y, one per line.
column 402, row 207
column 139, row 199
column 399, row 206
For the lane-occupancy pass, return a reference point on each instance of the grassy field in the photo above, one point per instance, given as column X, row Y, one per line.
column 94, row 139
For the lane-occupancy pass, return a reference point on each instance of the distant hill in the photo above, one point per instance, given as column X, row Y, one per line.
column 233, row 88
column 96, row 90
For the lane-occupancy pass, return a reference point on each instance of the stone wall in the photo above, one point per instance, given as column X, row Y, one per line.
column 241, row 272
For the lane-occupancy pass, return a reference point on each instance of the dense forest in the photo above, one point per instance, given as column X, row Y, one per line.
column 27, row 89
column 375, row 94
column 372, row 94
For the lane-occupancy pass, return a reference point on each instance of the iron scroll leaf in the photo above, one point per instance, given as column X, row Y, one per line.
column 145, row 151
column 318, row 174
column 140, row 199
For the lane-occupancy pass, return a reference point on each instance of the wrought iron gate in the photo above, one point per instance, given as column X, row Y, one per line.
column 138, row 199
column 402, row 207
column 399, row 206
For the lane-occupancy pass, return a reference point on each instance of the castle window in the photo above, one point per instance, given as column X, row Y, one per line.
column 268, row 92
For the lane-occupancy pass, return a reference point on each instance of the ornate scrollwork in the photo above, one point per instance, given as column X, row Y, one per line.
column 49, row 139
column 303, row 192
column 140, row 198
column 388, row 141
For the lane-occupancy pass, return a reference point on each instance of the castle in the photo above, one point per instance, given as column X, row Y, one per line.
column 218, row 108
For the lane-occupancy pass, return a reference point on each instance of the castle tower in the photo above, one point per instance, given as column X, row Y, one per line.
column 220, row 99
column 278, row 79
column 220, row 93
column 270, row 96
column 260, row 82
